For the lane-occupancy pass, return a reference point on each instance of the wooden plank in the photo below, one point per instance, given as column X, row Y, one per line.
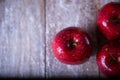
column 22, row 37
column 65, row 13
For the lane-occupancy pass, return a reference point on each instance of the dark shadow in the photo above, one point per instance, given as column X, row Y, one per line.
column 91, row 24
column 2, row 10
column 87, row 78
column 15, row 78
column 62, row 78
column 101, row 40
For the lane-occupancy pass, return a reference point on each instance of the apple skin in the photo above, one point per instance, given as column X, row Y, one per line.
column 72, row 46
column 108, row 59
column 108, row 20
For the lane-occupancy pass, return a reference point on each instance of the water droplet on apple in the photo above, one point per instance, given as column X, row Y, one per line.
column 87, row 41
column 87, row 69
column 118, row 59
column 106, row 49
column 104, row 23
column 59, row 50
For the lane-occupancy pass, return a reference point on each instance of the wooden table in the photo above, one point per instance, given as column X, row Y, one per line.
column 27, row 28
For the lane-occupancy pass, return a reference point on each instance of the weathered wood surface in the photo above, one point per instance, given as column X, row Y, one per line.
column 65, row 13
column 79, row 13
column 27, row 28
column 22, row 38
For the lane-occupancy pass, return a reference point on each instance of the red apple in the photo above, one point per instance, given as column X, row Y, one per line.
column 72, row 46
column 108, row 20
column 108, row 59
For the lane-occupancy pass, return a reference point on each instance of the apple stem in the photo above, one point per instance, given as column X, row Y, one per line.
column 119, row 17
column 113, row 57
column 74, row 44
column 115, row 20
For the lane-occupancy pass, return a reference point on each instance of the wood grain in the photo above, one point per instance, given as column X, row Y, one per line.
column 79, row 13
column 22, row 38
column 65, row 13
column 27, row 28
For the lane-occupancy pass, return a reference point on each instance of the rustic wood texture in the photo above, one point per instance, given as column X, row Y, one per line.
column 27, row 28
column 79, row 13
column 65, row 13
column 21, row 38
